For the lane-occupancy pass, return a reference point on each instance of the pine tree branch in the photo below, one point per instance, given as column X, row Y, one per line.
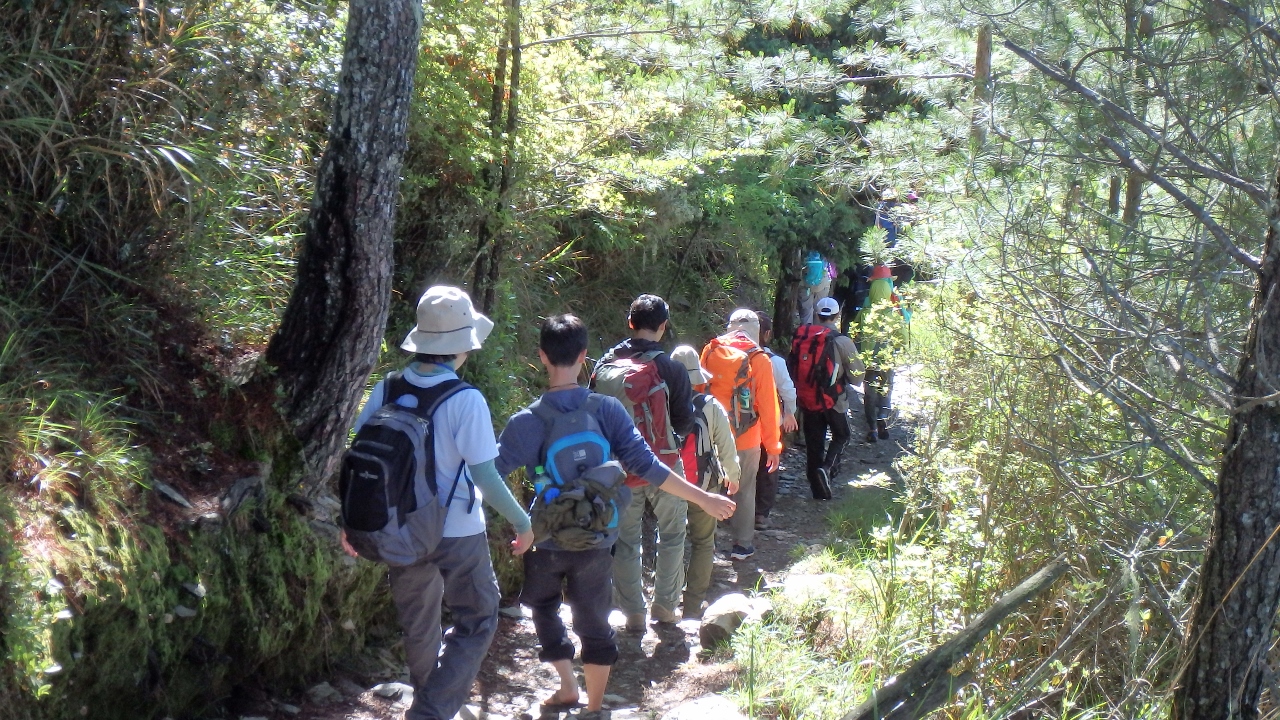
column 1129, row 161
column 866, row 80
column 1268, row 30
column 1253, row 190
column 610, row 33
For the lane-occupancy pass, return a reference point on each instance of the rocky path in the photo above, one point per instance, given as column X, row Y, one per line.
column 661, row 672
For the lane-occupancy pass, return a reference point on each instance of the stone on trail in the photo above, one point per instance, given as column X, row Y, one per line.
column 802, row 588
column 287, row 709
column 170, row 494
column 707, row 707
column 196, row 588
column 616, row 700
column 473, row 712
column 323, row 694
column 350, row 689
column 726, row 614
column 183, row 611
column 393, row 690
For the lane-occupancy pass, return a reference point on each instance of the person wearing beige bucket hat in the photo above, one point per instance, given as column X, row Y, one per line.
column 448, row 324
column 460, row 569
column 710, row 459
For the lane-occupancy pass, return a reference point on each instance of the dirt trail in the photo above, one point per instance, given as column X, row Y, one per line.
column 666, row 666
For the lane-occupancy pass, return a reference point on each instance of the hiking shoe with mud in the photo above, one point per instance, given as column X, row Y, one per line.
column 742, row 553
column 661, row 614
column 636, row 624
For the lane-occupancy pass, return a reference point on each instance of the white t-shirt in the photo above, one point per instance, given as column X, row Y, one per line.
column 463, row 436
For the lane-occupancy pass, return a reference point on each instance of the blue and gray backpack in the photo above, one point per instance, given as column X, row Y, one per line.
column 578, row 489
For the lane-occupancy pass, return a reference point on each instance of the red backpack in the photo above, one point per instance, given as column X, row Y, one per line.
column 701, row 466
column 814, row 367
column 635, row 381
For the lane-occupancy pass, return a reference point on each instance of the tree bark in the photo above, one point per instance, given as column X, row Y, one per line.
column 786, row 298
column 981, row 88
column 1235, row 609
column 503, row 124
column 332, row 330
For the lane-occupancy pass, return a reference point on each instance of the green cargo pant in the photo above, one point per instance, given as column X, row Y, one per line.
column 628, row 585
column 702, row 549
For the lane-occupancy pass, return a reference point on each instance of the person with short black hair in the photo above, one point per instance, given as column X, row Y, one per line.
column 562, row 338
column 648, row 312
column 648, row 320
column 583, row 578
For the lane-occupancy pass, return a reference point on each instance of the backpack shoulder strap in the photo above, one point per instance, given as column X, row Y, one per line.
column 699, row 402
column 650, row 356
column 592, row 405
column 544, row 411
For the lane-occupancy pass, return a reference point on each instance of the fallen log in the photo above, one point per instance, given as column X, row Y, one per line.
column 928, row 683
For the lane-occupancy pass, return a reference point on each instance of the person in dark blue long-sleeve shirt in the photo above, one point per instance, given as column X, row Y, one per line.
column 588, row 573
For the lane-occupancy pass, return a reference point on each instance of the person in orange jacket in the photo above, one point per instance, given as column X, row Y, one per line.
column 742, row 380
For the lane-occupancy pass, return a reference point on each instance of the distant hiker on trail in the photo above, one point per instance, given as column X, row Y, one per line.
column 656, row 393
column 887, row 216
column 817, row 284
column 742, row 380
column 823, row 362
column 759, row 327
column 710, row 458
column 578, row 446
column 422, row 517
column 882, row 328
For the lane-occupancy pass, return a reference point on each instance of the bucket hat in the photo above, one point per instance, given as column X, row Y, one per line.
column 447, row 324
column 745, row 321
column 688, row 357
column 827, row 307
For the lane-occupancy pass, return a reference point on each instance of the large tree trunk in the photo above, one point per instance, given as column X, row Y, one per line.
column 490, row 246
column 1236, row 603
column 786, row 297
column 332, row 329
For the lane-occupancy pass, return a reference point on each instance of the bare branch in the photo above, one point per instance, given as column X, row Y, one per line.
column 868, row 79
column 1129, row 161
column 1268, row 30
column 610, row 33
column 1253, row 190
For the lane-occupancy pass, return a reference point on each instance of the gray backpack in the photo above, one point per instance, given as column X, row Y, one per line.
column 392, row 509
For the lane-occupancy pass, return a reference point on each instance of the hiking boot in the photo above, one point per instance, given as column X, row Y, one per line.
column 822, row 490
column 636, row 624
column 871, row 436
column 661, row 614
column 742, row 553
column 762, row 523
column 882, row 429
column 692, row 609
column 600, row 714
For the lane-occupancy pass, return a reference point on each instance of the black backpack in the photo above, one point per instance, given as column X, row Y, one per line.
column 391, row 505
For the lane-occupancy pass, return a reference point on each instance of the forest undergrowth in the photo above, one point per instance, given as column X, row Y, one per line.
column 160, row 159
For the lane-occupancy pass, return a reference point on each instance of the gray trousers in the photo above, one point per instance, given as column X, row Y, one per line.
column 743, row 522
column 668, row 582
column 460, row 574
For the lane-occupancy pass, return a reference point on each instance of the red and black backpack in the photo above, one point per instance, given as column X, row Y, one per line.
column 815, row 367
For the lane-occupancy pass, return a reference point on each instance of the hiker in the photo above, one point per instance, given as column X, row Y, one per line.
column 710, row 458
column 759, row 326
column 441, row 552
column 655, row 390
column 580, row 444
column 823, row 362
column 882, row 325
column 742, row 380
column 887, row 216
column 817, row 284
